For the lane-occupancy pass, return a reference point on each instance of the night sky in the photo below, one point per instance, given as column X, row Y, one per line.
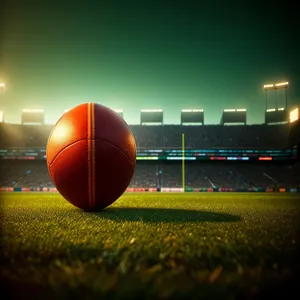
column 135, row 55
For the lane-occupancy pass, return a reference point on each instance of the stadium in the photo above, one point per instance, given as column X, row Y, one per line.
column 186, row 157
column 211, row 211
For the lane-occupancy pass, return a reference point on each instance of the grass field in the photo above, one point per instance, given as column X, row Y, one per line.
column 151, row 246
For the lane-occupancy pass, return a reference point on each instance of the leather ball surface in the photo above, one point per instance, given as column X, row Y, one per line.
column 91, row 156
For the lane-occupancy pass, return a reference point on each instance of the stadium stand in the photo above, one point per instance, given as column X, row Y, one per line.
column 162, row 173
column 20, row 173
column 166, row 136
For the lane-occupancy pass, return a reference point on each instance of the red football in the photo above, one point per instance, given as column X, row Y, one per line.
column 91, row 156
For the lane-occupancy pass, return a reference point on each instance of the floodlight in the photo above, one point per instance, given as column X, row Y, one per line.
column 192, row 110
column 282, row 84
column 266, row 86
column 151, row 110
column 33, row 110
column 294, row 115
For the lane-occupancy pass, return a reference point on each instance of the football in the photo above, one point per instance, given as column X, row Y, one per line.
column 91, row 156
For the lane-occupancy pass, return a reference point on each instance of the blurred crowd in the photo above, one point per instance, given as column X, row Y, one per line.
column 199, row 174
column 169, row 174
column 166, row 136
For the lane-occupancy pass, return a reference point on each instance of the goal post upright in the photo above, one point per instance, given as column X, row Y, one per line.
column 183, row 164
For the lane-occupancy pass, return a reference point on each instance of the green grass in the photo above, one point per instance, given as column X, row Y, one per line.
column 151, row 246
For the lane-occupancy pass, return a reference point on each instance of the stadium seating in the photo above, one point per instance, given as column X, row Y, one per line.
column 22, row 173
column 19, row 173
column 166, row 136
column 34, row 174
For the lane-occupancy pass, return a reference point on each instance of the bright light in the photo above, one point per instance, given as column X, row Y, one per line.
column 192, row 110
column 234, row 109
column 271, row 109
column 274, row 86
column 66, row 110
column 266, row 86
column 33, row 110
column 1, row 116
column 294, row 115
column 118, row 110
column 282, row 84
column 2, row 86
column 60, row 132
column 151, row 110
column 281, row 108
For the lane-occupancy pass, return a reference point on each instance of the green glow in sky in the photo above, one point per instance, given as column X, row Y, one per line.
column 145, row 55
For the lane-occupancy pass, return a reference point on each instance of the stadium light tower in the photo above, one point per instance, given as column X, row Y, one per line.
column 276, row 86
column 2, row 87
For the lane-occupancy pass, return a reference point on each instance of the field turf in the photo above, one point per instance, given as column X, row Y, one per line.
column 151, row 246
